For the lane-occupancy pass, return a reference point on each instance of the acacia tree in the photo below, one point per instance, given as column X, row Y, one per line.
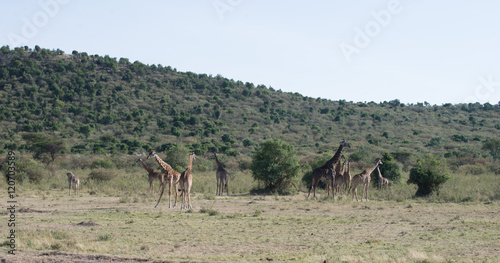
column 428, row 174
column 274, row 163
column 42, row 145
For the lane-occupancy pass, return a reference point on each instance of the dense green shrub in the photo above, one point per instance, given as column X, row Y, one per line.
column 103, row 174
column 177, row 157
column 493, row 146
column 274, row 163
column 29, row 170
column 102, row 163
column 428, row 174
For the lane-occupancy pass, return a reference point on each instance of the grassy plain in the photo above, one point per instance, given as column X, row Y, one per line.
column 117, row 222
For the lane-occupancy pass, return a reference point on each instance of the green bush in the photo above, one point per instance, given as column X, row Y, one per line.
column 28, row 170
column 177, row 157
column 428, row 174
column 102, row 163
column 103, row 174
column 274, row 163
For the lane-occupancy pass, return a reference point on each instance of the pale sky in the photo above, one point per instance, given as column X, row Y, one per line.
column 358, row 50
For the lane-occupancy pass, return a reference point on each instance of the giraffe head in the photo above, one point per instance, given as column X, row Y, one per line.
column 152, row 154
column 379, row 162
column 344, row 143
column 192, row 155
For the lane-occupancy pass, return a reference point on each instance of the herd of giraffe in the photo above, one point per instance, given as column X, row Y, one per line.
column 335, row 172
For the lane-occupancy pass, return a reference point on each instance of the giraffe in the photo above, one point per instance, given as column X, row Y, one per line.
column 363, row 178
column 186, row 182
column 171, row 176
column 339, row 173
column 222, row 177
column 347, row 174
column 152, row 174
column 72, row 179
column 326, row 171
column 381, row 180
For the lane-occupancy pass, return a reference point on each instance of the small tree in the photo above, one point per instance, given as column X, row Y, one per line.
column 42, row 145
column 177, row 157
column 493, row 146
column 428, row 174
column 274, row 163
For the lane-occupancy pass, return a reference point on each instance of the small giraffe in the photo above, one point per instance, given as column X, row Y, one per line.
column 186, row 182
column 347, row 175
column 339, row 174
column 171, row 176
column 382, row 181
column 72, row 179
column 327, row 171
column 363, row 178
column 221, row 176
column 152, row 174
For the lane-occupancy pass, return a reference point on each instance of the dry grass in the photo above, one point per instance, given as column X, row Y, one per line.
column 258, row 228
column 116, row 221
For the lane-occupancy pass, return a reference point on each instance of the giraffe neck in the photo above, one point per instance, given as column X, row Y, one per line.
column 370, row 170
column 149, row 169
column 379, row 173
column 219, row 164
column 165, row 166
column 190, row 162
column 335, row 157
column 338, row 168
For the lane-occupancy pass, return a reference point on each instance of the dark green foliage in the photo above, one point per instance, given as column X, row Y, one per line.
column 274, row 163
column 436, row 141
column 493, row 146
column 81, row 98
column 44, row 146
column 103, row 174
column 428, row 174
column 102, row 163
column 177, row 157
column 28, row 170
column 459, row 138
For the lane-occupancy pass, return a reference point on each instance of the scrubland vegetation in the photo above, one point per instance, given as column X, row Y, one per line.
column 95, row 116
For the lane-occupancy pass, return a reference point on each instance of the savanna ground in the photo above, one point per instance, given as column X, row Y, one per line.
column 117, row 222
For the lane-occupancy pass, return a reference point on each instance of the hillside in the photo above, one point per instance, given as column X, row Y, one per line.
column 99, row 105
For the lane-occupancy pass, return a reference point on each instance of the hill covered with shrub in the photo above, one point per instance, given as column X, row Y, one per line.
column 92, row 104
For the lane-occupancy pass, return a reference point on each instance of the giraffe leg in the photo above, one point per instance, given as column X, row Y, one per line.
column 333, row 186
column 170, row 195
column 227, row 189
column 218, row 186
column 189, row 196
column 69, row 187
column 162, row 190
column 367, row 186
column 176, row 187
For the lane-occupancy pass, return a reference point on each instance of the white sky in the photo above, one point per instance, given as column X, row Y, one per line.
column 413, row 50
